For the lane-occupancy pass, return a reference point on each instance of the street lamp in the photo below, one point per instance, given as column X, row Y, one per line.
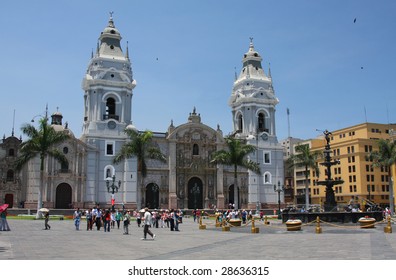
column 369, row 192
column 278, row 188
column 113, row 188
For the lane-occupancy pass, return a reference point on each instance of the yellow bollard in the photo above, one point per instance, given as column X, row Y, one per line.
column 388, row 227
column 201, row 226
column 218, row 224
column 254, row 229
column 318, row 228
column 266, row 221
column 225, row 227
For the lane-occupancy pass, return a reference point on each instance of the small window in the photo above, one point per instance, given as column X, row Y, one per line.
column 267, row 157
column 11, row 152
column 109, row 146
column 112, row 47
column 109, row 149
column 65, row 150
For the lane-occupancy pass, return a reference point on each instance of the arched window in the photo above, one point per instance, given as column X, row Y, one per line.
column 10, row 175
column 195, row 150
column 108, row 171
column 267, row 178
column 240, row 123
column 110, row 106
column 261, row 122
column 11, row 152
column 111, row 109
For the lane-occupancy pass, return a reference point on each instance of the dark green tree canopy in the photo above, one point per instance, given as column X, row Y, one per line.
column 41, row 142
column 141, row 145
column 236, row 155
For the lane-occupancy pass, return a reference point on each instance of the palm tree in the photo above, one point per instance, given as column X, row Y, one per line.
column 386, row 157
column 306, row 159
column 41, row 143
column 142, row 147
column 235, row 155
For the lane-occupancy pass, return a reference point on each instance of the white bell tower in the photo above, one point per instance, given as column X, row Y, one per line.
column 253, row 104
column 108, row 85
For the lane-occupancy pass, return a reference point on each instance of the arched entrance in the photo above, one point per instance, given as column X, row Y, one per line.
column 63, row 196
column 231, row 196
column 152, row 196
column 195, row 193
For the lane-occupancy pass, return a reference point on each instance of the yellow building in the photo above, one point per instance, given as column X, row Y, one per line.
column 351, row 147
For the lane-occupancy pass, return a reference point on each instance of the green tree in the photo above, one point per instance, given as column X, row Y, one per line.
column 41, row 143
column 386, row 157
column 304, row 158
column 141, row 146
column 236, row 155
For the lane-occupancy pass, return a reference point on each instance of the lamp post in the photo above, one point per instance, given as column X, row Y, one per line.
column 369, row 192
column 278, row 188
column 113, row 188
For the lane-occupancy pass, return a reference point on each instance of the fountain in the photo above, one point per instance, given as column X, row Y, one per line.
column 330, row 204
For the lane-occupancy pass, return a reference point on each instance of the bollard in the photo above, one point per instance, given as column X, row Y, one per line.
column 266, row 221
column 201, row 226
column 318, row 228
column 254, row 229
column 225, row 227
column 388, row 227
column 218, row 224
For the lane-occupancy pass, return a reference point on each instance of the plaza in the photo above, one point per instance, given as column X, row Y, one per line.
column 28, row 241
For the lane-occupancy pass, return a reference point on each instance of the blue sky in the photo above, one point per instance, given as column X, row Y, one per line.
column 329, row 71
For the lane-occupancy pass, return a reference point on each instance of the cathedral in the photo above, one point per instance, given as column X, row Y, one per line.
column 187, row 180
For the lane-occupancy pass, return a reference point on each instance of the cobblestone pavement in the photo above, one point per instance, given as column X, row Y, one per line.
column 28, row 241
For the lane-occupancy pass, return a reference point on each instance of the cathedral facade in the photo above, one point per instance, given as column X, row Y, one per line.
column 188, row 179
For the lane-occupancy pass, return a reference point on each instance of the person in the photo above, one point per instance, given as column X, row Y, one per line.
column 171, row 220
column 194, row 212
column 106, row 221
column 138, row 218
column 89, row 219
column 98, row 218
column 4, row 224
column 126, row 220
column 118, row 218
column 198, row 214
column 77, row 218
column 176, row 217
column 46, row 219
column 244, row 216
column 147, row 224
column 112, row 216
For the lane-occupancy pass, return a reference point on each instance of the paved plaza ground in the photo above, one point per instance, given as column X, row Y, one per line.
column 28, row 241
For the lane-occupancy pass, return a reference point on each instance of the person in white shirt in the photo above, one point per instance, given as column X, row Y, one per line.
column 147, row 223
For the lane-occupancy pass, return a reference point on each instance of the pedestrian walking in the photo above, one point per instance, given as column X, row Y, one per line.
column 106, row 221
column 126, row 220
column 77, row 218
column 118, row 217
column 4, row 224
column 89, row 217
column 46, row 219
column 147, row 224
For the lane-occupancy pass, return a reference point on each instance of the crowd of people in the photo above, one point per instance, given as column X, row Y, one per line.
column 108, row 219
